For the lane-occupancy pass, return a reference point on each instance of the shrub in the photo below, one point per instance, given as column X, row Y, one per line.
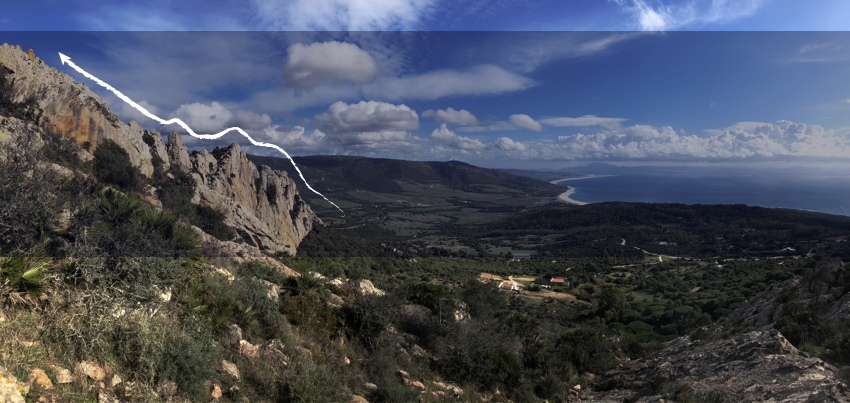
column 112, row 165
column 157, row 350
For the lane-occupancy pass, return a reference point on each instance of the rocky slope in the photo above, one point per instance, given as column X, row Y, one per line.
column 260, row 204
column 757, row 366
column 760, row 366
column 824, row 291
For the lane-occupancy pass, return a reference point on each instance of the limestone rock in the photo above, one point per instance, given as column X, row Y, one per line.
column 755, row 366
column 358, row 399
column 90, row 369
column 11, row 390
column 115, row 381
column 40, row 378
column 418, row 351
column 63, row 375
column 450, row 388
column 365, row 287
column 105, row 398
column 71, row 109
column 216, row 393
column 823, row 290
column 272, row 290
column 262, row 205
column 370, row 386
column 249, row 350
column 335, row 300
column 235, row 333
column 230, row 368
column 178, row 155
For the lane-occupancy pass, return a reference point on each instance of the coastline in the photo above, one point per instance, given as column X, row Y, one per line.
column 565, row 197
column 555, row 182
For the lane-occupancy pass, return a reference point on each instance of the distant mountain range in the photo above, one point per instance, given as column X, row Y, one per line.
column 381, row 174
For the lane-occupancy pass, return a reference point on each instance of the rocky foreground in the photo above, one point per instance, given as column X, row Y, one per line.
column 759, row 366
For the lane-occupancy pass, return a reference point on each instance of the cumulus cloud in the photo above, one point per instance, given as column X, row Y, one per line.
column 485, row 79
column 212, row 118
column 128, row 113
column 370, row 125
column 203, row 119
column 342, row 15
column 525, row 122
column 324, row 62
column 296, row 138
column 781, row 139
column 507, row 144
column 665, row 17
column 461, row 117
column 444, row 135
column 583, row 121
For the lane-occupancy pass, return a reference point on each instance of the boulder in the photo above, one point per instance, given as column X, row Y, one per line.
column 39, row 378
column 365, row 287
column 216, row 392
column 63, row 375
column 358, row 399
column 230, row 369
column 90, row 369
column 11, row 390
column 370, row 386
column 249, row 350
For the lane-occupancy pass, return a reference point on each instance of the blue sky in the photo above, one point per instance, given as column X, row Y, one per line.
column 495, row 83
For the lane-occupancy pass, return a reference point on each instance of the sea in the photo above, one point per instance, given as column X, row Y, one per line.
column 823, row 192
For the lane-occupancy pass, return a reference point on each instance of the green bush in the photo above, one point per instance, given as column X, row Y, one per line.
column 157, row 350
column 112, row 165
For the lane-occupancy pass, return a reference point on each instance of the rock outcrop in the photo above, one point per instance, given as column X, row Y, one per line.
column 759, row 366
column 71, row 109
column 825, row 290
column 262, row 205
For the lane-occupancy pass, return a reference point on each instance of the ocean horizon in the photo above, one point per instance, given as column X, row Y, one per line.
column 825, row 193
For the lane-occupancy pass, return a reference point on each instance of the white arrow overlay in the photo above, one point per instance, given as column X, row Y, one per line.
column 66, row 59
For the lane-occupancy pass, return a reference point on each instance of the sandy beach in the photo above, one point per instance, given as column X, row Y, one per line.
column 565, row 197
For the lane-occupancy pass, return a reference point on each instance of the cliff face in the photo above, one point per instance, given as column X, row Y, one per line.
column 71, row 109
column 262, row 205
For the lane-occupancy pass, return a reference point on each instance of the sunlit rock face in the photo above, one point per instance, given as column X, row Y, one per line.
column 71, row 109
column 262, row 205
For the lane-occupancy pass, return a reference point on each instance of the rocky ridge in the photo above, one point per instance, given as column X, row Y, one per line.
column 824, row 291
column 262, row 205
column 759, row 366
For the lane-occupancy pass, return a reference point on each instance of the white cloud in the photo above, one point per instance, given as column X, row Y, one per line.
column 781, row 139
column 846, row 101
column 203, row 119
column 525, row 122
column 342, row 15
column 665, row 17
column 370, row 125
column 325, row 62
column 296, row 138
column 485, row 79
column 128, row 113
column 500, row 125
column 583, row 121
column 461, row 117
column 507, row 144
column 444, row 135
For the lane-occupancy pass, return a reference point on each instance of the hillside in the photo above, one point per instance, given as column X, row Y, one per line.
column 383, row 175
column 134, row 270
